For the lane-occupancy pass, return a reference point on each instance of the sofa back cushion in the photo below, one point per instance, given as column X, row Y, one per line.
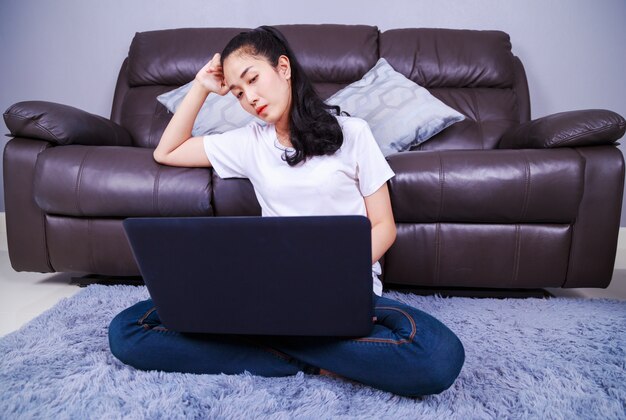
column 474, row 72
column 158, row 61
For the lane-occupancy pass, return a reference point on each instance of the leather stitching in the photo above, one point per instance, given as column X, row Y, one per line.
column 516, row 102
column 154, row 114
column 571, row 261
column 34, row 121
column 440, row 212
column 417, row 68
column 527, row 179
column 90, row 241
column 577, row 136
column 116, row 137
column 441, row 185
column 478, row 119
column 78, row 179
column 155, row 192
column 517, row 254
column 121, row 114
column 43, row 221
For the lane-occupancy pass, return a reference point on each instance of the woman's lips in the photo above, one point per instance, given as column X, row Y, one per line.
column 261, row 109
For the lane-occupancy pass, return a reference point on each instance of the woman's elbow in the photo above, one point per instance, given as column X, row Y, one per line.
column 160, row 157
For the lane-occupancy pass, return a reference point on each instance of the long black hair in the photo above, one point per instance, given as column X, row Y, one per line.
column 313, row 131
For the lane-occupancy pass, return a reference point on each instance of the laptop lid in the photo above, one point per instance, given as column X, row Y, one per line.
column 258, row 275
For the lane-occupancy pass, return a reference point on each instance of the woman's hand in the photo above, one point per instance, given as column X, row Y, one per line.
column 211, row 76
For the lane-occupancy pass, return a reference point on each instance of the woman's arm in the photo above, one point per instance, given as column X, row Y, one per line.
column 177, row 147
column 379, row 212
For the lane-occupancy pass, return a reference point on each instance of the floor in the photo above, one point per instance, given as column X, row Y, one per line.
column 23, row 296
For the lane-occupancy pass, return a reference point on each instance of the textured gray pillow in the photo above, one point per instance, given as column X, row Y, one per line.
column 400, row 112
column 217, row 115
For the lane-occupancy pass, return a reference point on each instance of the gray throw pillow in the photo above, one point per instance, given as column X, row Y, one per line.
column 217, row 115
column 400, row 113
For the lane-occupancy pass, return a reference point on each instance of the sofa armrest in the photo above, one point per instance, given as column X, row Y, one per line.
column 63, row 124
column 25, row 221
column 589, row 127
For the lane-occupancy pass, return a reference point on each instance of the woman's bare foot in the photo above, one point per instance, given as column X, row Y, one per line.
column 329, row 373
column 334, row 375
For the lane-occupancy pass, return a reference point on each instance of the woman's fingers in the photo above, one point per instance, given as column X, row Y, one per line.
column 215, row 61
column 211, row 75
column 213, row 64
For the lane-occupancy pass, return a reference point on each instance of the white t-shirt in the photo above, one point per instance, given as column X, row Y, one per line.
column 323, row 185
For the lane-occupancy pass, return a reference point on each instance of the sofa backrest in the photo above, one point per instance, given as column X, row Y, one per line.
column 472, row 71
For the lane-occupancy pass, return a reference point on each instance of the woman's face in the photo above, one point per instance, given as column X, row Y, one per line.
column 262, row 89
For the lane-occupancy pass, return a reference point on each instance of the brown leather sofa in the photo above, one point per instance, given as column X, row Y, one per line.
column 494, row 201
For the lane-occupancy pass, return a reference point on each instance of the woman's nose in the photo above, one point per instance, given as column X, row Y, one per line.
column 251, row 98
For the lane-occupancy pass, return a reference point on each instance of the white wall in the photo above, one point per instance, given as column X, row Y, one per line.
column 69, row 51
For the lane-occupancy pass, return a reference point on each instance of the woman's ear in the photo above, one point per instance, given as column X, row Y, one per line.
column 284, row 66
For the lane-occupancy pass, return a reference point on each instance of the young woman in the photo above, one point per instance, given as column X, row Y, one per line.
column 304, row 161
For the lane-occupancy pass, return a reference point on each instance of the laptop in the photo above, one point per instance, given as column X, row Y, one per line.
column 304, row 276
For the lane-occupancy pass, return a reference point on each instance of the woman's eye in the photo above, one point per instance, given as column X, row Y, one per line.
column 253, row 79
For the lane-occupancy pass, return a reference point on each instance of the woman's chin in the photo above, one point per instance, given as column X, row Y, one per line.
column 260, row 116
column 267, row 119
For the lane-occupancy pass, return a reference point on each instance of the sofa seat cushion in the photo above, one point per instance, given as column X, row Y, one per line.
column 487, row 186
column 108, row 181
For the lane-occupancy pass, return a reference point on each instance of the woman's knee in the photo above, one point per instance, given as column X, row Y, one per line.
column 118, row 342
column 123, row 333
column 431, row 362
column 447, row 362
column 440, row 369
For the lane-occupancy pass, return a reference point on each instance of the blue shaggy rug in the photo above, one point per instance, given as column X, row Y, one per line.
column 555, row 358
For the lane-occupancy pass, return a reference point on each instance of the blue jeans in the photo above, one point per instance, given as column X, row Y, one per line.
column 408, row 352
